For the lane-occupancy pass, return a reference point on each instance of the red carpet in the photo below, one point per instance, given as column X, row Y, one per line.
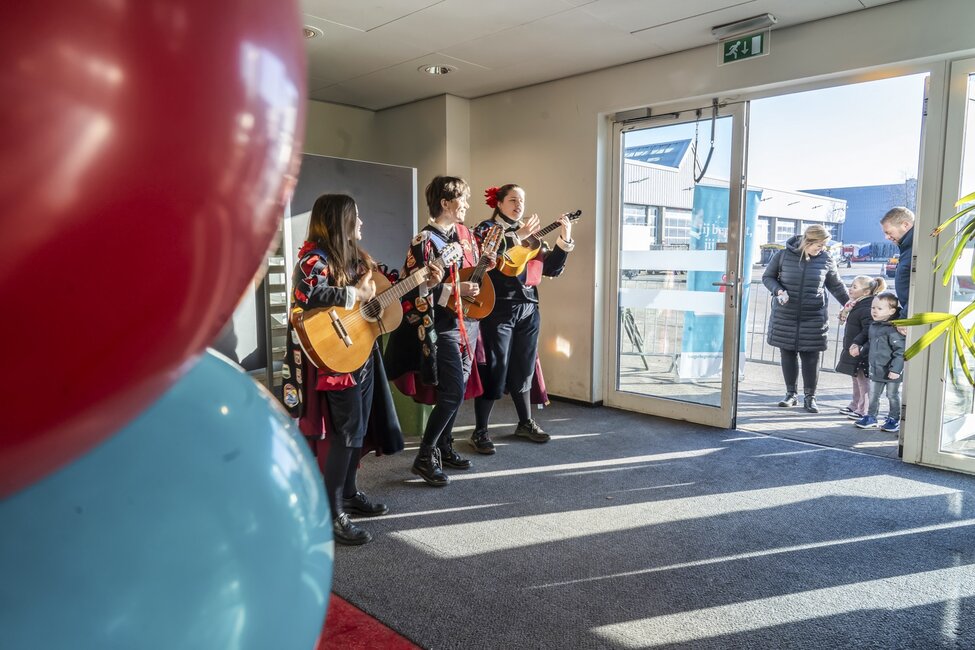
column 350, row 628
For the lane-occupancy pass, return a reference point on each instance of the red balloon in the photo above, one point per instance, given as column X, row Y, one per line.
column 146, row 151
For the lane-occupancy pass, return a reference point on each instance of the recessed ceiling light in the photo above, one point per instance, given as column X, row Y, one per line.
column 437, row 69
column 311, row 32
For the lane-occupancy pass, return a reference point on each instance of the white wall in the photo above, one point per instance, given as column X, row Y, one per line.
column 341, row 131
column 553, row 139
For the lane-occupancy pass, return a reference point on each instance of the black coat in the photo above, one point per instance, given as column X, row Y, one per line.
column 857, row 321
column 802, row 323
column 902, row 275
column 883, row 346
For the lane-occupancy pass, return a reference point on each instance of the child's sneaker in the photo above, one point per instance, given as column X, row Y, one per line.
column 867, row 422
column 848, row 412
column 891, row 425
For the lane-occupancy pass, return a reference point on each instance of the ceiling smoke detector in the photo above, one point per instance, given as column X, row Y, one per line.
column 311, row 32
column 437, row 69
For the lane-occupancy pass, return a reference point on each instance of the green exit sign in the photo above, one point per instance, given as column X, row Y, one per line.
column 745, row 47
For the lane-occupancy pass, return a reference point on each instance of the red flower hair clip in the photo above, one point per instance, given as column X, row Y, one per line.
column 491, row 197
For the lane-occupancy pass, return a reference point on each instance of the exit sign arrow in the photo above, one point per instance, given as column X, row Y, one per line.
column 744, row 47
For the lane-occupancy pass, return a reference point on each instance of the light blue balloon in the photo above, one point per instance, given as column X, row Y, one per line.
column 202, row 524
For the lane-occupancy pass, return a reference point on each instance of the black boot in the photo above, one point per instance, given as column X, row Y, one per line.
column 348, row 534
column 809, row 403
column 360, row 504
column 427, row 467
column 449, row 456
column 790, row 399
column 481, row 442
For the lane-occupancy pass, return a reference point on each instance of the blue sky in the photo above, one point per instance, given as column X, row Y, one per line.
column 859, row 134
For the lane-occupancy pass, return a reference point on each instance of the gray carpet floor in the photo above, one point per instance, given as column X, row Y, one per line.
column 629, row 531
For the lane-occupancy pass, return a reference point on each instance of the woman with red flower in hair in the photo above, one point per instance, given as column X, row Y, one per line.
column 510, row 332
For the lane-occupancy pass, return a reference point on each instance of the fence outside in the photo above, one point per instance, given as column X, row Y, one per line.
column 652, row 334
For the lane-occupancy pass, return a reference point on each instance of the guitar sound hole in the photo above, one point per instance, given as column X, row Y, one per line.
column 372, row 309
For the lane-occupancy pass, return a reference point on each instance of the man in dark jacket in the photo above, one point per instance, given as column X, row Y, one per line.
column 898, row 227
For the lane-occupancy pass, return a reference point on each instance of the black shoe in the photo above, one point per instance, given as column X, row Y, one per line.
column 809, row 403
column 790, row 399
column 532, row 431
column 450, row 458
column 481, row 442
column 427, row 467
column 361, row 505
column 348, row 534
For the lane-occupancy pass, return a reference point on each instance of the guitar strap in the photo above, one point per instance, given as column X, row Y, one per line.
column 439, row 242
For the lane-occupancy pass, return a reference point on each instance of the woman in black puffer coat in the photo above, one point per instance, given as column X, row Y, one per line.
column 798, row 278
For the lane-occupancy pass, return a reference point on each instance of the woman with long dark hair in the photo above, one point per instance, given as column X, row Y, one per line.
column 333, row 270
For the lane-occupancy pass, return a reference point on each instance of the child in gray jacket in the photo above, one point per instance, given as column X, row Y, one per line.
column 884, row 347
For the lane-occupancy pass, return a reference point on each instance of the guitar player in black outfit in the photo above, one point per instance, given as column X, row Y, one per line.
column 334, row 409
column 510, row 332
column 445, row 359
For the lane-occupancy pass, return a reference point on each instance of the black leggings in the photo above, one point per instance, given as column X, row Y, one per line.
column 810, row 370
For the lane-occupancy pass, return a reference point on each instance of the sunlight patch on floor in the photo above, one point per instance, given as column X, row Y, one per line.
column 439, row 511
column 651, row 487
column 767, row 552
column 794, row 453
column 889, row 594
column 574, row 435
column 606, row 469
column 612, row 462
column 866, row 444
column 479, row 537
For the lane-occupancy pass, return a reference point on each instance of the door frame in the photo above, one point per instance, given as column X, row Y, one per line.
column 948, row 98
column 724, row 415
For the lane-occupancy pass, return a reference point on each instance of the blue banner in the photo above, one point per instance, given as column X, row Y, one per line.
column 702, row 344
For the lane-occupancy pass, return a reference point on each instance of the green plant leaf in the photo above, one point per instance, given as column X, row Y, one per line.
column 949, row 355
column 928, row 338
column 950, row 220
column 924, row 318
column 965, row 199
column 940, row 252
column 963, row 237
column 961, row 344
column 963, row 337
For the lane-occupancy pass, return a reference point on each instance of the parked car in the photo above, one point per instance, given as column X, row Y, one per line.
column 890, row 268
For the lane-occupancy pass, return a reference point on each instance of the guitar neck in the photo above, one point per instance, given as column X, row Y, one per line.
column 482, row 266
column 396, row 292
column 547, row 229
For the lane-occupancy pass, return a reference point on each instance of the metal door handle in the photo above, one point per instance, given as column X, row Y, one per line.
column 722, row 284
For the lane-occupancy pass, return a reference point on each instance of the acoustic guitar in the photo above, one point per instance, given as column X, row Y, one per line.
column 479, row 306
column 340, row 340
column 515, row 259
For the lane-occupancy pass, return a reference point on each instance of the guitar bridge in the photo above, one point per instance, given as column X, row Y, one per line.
column 340, row 328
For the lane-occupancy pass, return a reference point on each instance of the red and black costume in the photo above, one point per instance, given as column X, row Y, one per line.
column 432, row 355
column 510, row 332
column 335, row 409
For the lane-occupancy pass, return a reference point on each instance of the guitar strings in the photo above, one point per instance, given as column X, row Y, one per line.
column 373, row 307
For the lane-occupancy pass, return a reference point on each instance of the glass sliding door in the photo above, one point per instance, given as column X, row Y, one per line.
column 676, row 260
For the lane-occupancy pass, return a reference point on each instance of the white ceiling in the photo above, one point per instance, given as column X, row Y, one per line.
column 371, row 49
